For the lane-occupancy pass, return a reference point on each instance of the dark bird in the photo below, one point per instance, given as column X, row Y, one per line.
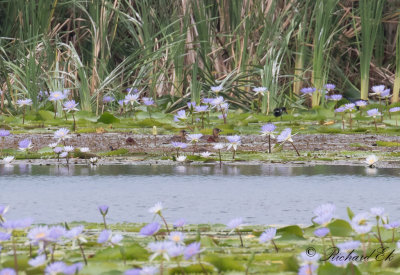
column 179, row 138
column 130, row 141
column 111, row 148
column 279, row 111
column 214, row 137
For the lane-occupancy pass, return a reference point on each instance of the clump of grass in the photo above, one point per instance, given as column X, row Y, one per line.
column 118, row 152
column 388, row 143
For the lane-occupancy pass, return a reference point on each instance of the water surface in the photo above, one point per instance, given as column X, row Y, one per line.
column 261, row 194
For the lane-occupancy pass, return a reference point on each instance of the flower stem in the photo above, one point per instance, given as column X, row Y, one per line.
column 15, row 255
column 295, row 149
column 269, row 144
column 82, row 251
column 276, row 248
column 240, row 237
column 104, row 222
column 165, row 222
column 220, row 159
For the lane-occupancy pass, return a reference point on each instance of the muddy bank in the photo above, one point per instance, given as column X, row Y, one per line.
column 148, row 144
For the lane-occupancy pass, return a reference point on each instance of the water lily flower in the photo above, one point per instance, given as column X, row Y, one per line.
column 373, row 113
column 146, row 270
column 394, row 109
column 180, row 116
column 70, row 106
column 176, row 251
column 56, row 96
column 392, row 225
column 260, row 91
column 103, row 209
column 56, row 233
column 201, row 108
column 268, row 130
column 64, row 155
column 177, row 237
column 61, row 134
column 361, row 223
column 11, row 225
column 217, row 89
column 330, row 87
column 156, row 209
column 75, row 234
column 335, row 97
column 179, row 223
column 234, row 224
column 340, row 109
column 84, row 149
column 148, row 101
column 24, row 102
column 192, row 250
column 349, row 107
column 207, row 100
column 131, row 99
column 194, row 137
column 38, row 261
column 3, row 210
column 4, row 133
column 53, row 145
column 361, row 103
column 38, row 235
column 8, row 159
column 324, row 214
column 4, row 236
column 286, row 135
column 56, row 268
column 308, row 270
column 106, row 237
column 205, row 154
column 150, row 229
column 8, row 271
column 108, row 99
column 321, row 232
column 181, row 159
column 179, row 145
column 371, row 160
column 269, row 235
column 25, row 145
column 132, row 90
column 93, row 160
column 234, row 142
column 160, row 249
column 68, row 149
column 308, row 90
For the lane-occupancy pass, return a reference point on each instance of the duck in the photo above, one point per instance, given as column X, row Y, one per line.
column 130, row 141
column 279, row 111
column 214, row 137
column 179, row 138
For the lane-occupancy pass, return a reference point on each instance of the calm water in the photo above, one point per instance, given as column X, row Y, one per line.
column 261, row 194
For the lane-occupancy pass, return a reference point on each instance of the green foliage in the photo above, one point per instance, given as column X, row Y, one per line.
column 340, row 228
column 118, row 152
column 224, row 264
column 387, row 143
column 108, row 118
column 292, row 232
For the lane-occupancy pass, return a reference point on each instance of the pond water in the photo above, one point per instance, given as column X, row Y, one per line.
column 261, row 194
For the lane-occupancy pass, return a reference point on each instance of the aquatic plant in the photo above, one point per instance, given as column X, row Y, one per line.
column 22, row 103
column 235, row 225
column 234, row 142
column 268, row 236
column 268, row 130
column 104, row 211
column 3, row 135
column 156, row 210
column 219, row 147
column 394, row 110
column 71, row 107
column 8, row 159
column 374, row 113
column 286, row 136
column 150, row 229
column 25, row 145
column 61, row 135
column 371, row 160
column 194, row 138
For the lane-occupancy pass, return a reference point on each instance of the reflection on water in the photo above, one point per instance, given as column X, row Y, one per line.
column 265, row 194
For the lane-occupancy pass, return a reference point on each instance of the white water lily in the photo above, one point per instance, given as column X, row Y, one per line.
column 8, row 159
column 93, row 161
column 219, row 146
column 53, row 145
column 68, row 149
column 205, row 154
column 181, row 159
column 156, row 209
column 371, row 160
column 84, row 149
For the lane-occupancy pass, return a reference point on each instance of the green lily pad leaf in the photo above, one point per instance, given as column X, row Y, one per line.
column 108, row 118
column 292, row 232
column 45, row 115
column 224, row 264
column 340, row 228
column 132, row 252
column 192, row 269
